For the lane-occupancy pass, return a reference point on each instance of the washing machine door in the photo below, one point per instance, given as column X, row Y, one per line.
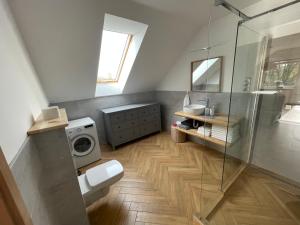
column 83, row 145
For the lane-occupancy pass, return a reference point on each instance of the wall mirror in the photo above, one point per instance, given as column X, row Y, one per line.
column 206, row 75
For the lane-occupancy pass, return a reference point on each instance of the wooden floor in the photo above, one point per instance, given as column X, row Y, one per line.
column 162, row 183
column 166, row 183
column 259, row 199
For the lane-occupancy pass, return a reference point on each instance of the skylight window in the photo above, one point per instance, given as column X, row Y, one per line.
column 114, row 49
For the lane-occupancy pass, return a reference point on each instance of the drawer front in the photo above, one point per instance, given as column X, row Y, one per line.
column 117, row 117
column 149, row 118
column 125, row 125
column 134, row 123
column 149, row 128
column 118, row 127
column 124, row 136
column 142, row 112
column 120, row 137
column 149, row 110
column 153, row 109
column 131, row 114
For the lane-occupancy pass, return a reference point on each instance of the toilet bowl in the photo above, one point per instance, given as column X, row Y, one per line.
column 95, row 183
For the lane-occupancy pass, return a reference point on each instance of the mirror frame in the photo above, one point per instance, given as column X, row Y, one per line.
column 221, row 76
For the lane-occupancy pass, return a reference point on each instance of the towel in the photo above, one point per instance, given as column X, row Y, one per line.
column 204, row 130
column 220, row 133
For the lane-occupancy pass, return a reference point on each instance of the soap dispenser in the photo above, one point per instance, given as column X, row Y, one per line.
column 187, row 100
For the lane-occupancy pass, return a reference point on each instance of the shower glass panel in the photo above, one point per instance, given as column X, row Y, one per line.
column 220, row 44
column 249, row 54
column 277, row 130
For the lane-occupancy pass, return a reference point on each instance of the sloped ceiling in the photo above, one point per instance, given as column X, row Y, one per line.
column 63, row 41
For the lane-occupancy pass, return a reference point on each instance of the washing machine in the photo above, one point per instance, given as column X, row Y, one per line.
column 83, row 141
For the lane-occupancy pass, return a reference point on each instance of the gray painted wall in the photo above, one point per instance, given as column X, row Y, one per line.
column 92, row 108
column 171, row 101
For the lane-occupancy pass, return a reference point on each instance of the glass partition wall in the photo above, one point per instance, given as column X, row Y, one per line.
column 221, row 38
column 257, row 97
column 248, row 63
column 276, row 140
column 265, row 96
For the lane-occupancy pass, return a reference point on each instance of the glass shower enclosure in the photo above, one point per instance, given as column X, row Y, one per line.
column 263, row 113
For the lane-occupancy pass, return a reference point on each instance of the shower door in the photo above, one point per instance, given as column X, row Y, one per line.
column 248, row 64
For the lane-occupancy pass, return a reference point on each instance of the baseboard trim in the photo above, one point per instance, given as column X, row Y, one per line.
column 277, row 176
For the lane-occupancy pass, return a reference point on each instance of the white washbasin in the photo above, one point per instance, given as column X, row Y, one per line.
column 194, row 109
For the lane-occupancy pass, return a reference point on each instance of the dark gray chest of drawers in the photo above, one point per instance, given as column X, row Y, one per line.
column 129, row 122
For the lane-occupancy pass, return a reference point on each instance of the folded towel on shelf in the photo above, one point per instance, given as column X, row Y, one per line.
column 224, row 137
column 204, row 130
column 221, row 133
column 225, row 134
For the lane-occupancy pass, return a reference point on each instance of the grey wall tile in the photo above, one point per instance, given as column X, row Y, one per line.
column 46, row 177
column 27, row 171
column 60, row 185
column 92, row 108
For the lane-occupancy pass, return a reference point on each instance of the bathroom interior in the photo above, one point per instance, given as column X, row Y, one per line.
column 197, row 122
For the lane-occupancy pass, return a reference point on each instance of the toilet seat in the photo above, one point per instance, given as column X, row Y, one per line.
column 95, row 183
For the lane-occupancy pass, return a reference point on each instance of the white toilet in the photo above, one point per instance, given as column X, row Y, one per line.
column 95, row 183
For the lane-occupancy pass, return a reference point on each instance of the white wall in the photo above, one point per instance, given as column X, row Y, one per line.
column 220, row 35
column 63, row 39
column 21, row 96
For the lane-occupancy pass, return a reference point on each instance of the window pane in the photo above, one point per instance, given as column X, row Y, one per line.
column 112, row 50
column 281, row 75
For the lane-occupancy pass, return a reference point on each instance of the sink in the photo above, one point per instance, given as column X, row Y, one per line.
column 194, row 109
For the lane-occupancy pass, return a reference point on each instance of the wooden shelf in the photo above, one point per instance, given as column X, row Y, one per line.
column 220, row 120
column 193, row 132
column 41, row 126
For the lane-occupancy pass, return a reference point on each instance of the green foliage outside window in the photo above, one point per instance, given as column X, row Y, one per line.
column 281, row 75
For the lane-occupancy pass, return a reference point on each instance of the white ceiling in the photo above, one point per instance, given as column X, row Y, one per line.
column 196, row 11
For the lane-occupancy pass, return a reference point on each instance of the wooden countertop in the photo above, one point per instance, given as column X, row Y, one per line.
column 221, row 120
column 41, row 126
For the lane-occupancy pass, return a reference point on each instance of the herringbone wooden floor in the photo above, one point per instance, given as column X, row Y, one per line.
column 166, row 183
column 162, row 183
column 259, row 199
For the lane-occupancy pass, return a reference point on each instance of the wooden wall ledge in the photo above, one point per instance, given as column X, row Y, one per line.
column 41, row 126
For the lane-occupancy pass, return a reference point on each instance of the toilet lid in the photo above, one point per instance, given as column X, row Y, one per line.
column 103, row 172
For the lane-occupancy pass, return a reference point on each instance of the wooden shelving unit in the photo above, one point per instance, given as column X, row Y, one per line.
column 193, row 132
column 221, row 120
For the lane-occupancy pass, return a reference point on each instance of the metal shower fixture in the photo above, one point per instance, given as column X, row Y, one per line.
column 245, row 18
